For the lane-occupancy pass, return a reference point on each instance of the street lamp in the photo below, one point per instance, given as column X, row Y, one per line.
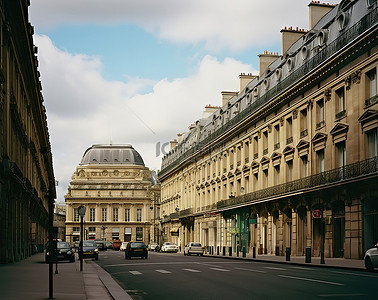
column 81, row 210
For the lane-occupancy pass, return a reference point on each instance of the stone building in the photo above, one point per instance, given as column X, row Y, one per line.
column 27, row 184
column 290, row 160
column 120, row 194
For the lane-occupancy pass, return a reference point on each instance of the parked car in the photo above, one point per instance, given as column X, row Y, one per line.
column 193, row 248
column 123, row 246
column 152, row 246
column 109, row 245
column 63, row 252
column 89, row 249
column 101, row 245
column 136, row 249
column 371, row 258
column 117, row 244
column 169, row 247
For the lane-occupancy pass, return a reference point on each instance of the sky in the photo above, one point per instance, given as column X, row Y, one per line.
column 139, row 72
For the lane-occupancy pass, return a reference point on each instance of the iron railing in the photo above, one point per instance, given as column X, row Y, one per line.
column 371, row 101
column 352, row 171
column 317, row 60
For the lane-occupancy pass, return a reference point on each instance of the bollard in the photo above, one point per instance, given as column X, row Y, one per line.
column 224, row 251
column 254, row 252
column 244, row 252
column 230, row 251
column 217, row 250
column 308, row 254
column 288, row 252
column 237, row 251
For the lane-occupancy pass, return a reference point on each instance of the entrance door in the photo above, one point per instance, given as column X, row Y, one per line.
column 338, row 236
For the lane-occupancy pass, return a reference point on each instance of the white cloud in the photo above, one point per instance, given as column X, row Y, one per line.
column 84, row 109
column 220, row 24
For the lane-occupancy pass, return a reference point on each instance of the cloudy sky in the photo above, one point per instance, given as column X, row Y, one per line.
column 139, row 72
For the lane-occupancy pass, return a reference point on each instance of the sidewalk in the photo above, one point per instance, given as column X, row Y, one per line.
column 29, row 279
column 352, row 264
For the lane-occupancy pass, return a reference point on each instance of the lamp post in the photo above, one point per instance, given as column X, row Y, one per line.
column 81, row 211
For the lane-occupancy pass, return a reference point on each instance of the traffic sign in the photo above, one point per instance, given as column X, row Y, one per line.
column 316, row 213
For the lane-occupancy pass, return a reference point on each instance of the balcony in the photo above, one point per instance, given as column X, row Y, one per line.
column 265, row 151
column 320, row 124
column 186, row 212
column 304, row 133
column 276, row 146
column 246, row 160
column 340, row 114
column 324, row 179
column 255, row 156
column 289, row 140
column 371, row 101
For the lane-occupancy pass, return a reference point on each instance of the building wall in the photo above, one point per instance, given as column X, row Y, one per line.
column 114, row 188
column 318, row 133
column 26, row 170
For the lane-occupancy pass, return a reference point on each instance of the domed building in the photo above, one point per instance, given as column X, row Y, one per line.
column 119, row 192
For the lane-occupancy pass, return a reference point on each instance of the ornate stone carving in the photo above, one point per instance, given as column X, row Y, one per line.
column 295, row 114
column 327, row 94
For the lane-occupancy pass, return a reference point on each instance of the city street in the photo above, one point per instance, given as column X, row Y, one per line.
column 170, row 276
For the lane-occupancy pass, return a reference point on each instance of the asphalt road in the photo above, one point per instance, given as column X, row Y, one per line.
column 175, row 276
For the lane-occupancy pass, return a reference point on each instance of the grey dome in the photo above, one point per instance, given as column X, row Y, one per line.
column 112, row 154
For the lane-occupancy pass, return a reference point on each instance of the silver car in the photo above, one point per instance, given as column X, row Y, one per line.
column 193, row 248
column 169, row 247
column 371, row 258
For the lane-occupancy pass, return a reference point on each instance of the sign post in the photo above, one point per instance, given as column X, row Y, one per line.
column 81, row 211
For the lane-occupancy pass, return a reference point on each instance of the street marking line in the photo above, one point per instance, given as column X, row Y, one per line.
column 341, row 295
column 191, row 270
column 251, row 270
column 301, row 268
column 163, row 271
column 313, row 280
column 274, row 268
column 150, row 263
column 355, row 274
column 219, row 269
column 135, row 272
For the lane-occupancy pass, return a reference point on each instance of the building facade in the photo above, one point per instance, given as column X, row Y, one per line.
column 290, row 160
column 27, row 184
column 120, row 194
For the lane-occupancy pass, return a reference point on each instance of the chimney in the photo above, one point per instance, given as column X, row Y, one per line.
column 173, row 144
column 245, row 79
column 265, row 60
column 226, row 96
column 317, row 11
column 289, row 36
column 179, row 137
column 209, row 110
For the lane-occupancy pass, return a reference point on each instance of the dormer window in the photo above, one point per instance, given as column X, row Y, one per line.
column 304, row 52
column 290, row 63
column 342, row 20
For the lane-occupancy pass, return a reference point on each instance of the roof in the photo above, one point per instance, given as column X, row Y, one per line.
column 112, row 154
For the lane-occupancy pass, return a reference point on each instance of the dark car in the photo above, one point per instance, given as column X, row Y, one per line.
column 63, row 251
column 101, row 245
column 90, row 250
column 136, row 249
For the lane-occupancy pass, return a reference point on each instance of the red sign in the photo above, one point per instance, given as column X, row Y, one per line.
column 317, row 214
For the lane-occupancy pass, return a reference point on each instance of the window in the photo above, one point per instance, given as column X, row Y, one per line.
column 246, row 152
column 92, row 214
column 238, row 156
column 76, row 229
column 320, row 157
column 371, row 87
column 76, row 214
column 289, row 130
column 304, row 168
column 341, row 154
column 276, row 137
column 115, row 214
column 277, row 175
column 139, row 215
column 289, row 170
column 303, row 123
column 319, row 113
column 115, row 233
column 127, row 214
column 372, row 143
column 91, row 233
column 255, row 147
column 139, row 233
column 340, row 103
column 256, row 181
column 104, row 215
column 265, row 178
column 265, row 142
column 127, row 235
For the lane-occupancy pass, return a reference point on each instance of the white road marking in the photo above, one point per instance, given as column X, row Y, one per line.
column 355, row 274
column 148, row 263
column 309, row 279
column 163, row 271
column 341, row 295
column 300, row 268
column 135, row 272
column 251, row 270
column 191, row 270
column 273, row 268
column 219, row 269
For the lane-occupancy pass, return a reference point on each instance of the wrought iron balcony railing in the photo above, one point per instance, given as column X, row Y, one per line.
column 289, row 140
column 186, row 212
column 304, row 133
column 351, row 171
column 371, row 101
column 340, row 114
